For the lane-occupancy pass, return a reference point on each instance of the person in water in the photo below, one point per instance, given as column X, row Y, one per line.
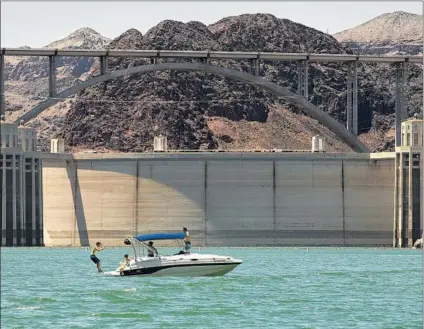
column 93, row 257
column 151, row 253
column 123, row 264
column 187, row 242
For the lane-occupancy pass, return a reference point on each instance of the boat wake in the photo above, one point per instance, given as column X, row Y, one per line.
column 112, row 273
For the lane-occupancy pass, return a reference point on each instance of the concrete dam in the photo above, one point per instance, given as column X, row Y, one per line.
column 225, row 199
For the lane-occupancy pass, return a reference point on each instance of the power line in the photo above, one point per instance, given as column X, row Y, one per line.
column 179, row 101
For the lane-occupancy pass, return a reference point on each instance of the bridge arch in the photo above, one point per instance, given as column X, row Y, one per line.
column 254, row 80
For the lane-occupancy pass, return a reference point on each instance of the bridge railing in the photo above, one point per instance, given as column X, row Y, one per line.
column 274, row 56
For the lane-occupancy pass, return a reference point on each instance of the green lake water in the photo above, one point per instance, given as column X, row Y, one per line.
column 273, row 288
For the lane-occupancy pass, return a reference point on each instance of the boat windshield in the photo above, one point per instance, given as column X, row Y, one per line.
column 139, row 245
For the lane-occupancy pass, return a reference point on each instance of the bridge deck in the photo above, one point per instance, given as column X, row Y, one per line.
column 211, row 55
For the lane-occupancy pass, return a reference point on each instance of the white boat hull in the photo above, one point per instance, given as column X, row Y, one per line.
column 191, row 265
column 191, row 270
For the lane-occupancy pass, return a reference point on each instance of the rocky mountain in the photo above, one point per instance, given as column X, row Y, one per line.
column 180, row 104
column 33, row 68
column 27, row 77
column 391, row 33
column 26, row 81
column 196, row 110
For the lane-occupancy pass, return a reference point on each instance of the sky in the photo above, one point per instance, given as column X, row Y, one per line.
column 36, row 24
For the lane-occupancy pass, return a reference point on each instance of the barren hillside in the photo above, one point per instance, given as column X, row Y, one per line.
column 397, row 32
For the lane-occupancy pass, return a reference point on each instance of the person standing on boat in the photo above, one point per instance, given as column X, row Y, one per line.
column 187, row 242
column 153, row 252
column 93, row 257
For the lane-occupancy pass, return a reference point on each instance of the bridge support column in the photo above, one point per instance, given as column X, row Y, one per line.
column 52, row 76
column 355, row 98
column 2, row 92
column 254, row 66
column 306, row 79
column 349, row 118
column 299, row 78
column 103, row 65
column 352, row 98
column 399, row 106
column 303, row 78
column 405, row 73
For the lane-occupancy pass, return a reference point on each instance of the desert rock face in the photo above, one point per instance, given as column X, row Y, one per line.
column 26, row 81
column 392, row 33
column 196, row 110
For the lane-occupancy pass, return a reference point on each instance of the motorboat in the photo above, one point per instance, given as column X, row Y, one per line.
column 180, row 264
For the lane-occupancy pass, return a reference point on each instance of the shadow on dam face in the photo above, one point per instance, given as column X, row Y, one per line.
column 116, row 199
column 72, row 173
column 230, row 202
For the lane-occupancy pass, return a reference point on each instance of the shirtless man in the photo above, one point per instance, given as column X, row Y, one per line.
column 93, row 257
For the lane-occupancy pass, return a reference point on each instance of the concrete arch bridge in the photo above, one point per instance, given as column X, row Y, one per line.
column 300, row 101
column 347, row 134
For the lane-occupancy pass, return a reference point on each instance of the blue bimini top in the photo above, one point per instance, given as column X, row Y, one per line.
column 161, row 236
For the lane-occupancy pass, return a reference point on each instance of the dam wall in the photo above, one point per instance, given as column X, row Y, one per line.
column 238, row 199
